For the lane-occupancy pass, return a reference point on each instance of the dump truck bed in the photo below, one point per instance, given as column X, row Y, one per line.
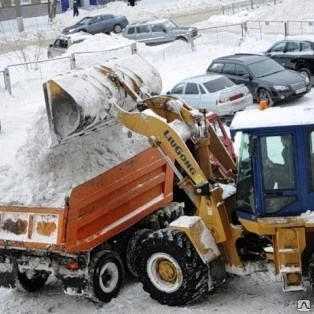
column 97, row 210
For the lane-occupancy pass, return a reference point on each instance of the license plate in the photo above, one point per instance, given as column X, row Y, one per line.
column 300, row 90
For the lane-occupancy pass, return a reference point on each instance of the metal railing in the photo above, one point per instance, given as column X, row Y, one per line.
column 43, row 69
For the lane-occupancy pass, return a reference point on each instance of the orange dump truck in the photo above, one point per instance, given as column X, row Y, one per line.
column 84, row 244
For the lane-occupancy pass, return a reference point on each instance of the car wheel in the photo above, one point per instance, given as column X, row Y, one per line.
column 117, row 29
column 306, row 73
column 183, row 39
column 264, row 94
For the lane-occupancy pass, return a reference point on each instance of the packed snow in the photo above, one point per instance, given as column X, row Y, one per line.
column 29, row 164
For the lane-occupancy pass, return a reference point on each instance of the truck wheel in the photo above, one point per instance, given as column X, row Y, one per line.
column 133, row 249
column 32, row 280
column 107, row 276
column 264, row 94
column 170, row 268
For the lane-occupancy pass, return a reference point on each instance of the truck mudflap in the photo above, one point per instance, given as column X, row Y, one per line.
column 81, row 101
column 8, row 272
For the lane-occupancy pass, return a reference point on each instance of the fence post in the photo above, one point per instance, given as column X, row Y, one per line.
column 72, row 61
column 252, row 6
column 243, row 29
column 286, row 28
column 223, row 10
column 232, row 8
column 7, row 80
column 133, row 49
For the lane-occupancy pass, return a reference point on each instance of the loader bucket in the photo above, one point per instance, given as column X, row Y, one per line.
column 81, row 101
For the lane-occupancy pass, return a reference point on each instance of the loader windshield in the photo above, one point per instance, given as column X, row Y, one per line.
column 245, row 192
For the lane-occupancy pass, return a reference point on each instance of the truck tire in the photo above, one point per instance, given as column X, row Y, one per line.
column 133, row 249
column 32, row 280
column 170, row 269
column 107, row 275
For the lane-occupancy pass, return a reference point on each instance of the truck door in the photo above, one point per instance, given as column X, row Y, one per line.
column 278, row 181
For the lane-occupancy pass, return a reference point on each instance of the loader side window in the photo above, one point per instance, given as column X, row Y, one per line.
column 245, row 197
column 278, row 172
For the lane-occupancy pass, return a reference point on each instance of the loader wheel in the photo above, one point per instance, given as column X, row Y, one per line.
column 107, row 276
column 32, row 280
column 133, row 249
column 170, row 268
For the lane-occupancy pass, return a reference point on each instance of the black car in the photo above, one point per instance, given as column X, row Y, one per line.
column 294, row 54
column 265, row 78
column 104, row 23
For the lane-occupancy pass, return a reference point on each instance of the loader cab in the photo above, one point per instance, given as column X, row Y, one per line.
column 275, row 166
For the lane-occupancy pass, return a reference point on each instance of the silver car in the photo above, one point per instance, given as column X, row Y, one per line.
column 159, row 32
column 213, row 92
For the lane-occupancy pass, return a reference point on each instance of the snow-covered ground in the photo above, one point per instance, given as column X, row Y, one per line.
column 26, row 160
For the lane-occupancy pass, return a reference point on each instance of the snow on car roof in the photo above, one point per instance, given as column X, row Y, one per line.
column 203, row 78
column 272, row 117
column 149, row 22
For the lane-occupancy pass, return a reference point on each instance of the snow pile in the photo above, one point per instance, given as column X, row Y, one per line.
column 44, row 176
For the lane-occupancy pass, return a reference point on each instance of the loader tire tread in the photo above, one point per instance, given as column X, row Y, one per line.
column 194, row 271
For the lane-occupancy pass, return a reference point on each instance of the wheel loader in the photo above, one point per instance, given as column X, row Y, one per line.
column 177, row 244
column 95, row 238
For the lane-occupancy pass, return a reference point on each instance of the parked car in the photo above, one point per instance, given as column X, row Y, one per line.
column 213, row 92
column 294, row 54
column 265, row 78
column 63, row 42
column 159, row 32
column 104, row 23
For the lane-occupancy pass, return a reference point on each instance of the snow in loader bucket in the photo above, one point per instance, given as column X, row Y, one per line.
column 80, row 101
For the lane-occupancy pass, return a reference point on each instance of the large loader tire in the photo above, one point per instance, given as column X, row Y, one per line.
column 134, row 248
column 32, row 280
column 107, row 275
column 170, row 268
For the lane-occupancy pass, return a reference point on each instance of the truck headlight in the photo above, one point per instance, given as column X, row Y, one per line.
column 281, row 87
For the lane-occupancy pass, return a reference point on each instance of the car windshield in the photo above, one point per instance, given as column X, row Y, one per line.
column 170, row 25
column 84, row 21
column 218, row 84
column 265, row 67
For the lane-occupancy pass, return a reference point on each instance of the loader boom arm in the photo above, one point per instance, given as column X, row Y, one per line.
column 168, row 136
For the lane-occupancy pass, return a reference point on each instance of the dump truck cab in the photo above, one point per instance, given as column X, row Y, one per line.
column 276, row 162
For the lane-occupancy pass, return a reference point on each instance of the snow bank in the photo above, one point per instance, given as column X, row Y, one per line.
column 44, row 176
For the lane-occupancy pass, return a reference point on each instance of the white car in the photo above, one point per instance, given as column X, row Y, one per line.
column 63, row 42
column 213, row 92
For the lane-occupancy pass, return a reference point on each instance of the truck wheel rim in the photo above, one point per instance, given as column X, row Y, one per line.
column 164, row 272
column 108, row 277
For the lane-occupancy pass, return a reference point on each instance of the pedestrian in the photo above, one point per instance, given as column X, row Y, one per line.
column 75, row 8
column 131, row 3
